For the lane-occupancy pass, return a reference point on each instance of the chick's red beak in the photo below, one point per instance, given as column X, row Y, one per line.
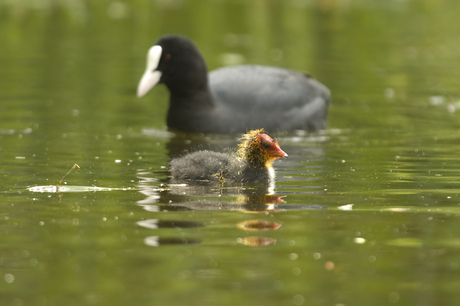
column 271, row 146
column 276, row 151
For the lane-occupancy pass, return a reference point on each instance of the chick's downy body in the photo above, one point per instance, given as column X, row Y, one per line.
column 251, row 163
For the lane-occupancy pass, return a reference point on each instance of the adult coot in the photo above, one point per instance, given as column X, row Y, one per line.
column 252, row 162
column 233, row 99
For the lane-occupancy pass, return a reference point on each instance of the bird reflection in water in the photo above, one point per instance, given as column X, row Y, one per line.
column 250, row 198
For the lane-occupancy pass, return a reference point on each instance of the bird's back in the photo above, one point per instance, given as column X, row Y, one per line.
column 269, row 97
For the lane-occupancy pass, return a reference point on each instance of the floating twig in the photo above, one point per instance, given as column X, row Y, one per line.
column 60, row 182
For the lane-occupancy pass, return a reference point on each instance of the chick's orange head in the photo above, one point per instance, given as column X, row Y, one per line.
column 259, row 149
column 271, row 146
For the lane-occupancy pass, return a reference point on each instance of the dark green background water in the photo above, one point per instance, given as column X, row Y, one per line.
column 68, row 75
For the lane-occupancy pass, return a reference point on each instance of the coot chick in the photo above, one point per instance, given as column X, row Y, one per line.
column 252, row 162
column 232, row 99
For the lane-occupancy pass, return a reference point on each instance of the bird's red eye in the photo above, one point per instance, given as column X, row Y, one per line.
column 167, row 57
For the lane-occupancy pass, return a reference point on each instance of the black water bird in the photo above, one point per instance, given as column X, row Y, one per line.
column 231, row 99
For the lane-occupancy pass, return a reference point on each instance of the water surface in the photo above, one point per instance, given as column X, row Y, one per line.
column 365, row 212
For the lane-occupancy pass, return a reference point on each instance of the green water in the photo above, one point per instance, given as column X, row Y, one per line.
column 364, row 213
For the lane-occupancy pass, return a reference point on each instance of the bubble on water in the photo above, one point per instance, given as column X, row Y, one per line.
column 389, row 93
column 293, row 256
column 393, row 297
column 437, row 100
column 33, row 262
column 296, row 271
column 298, row 299
column 9, row 278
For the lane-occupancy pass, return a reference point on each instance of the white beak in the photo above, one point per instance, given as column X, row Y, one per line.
column 151, row 76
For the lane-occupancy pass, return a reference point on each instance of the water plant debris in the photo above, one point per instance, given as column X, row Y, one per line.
column 60, row 189
column 63, row 178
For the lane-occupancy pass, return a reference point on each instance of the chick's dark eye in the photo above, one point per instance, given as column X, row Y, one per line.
column 266, row 145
